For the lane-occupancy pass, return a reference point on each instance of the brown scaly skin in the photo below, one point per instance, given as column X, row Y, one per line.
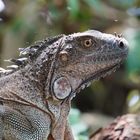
column 36, row 97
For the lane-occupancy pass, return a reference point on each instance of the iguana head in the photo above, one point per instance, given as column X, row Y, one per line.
column 65, row 64
column 84, row 57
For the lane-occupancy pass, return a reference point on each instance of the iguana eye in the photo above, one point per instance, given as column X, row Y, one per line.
column 87, row 43
column 63, row 55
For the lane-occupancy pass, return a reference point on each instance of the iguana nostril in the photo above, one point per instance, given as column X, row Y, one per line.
column 121, row 45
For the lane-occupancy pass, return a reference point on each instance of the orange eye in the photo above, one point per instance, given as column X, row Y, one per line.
column 63, row 56
column 88, row 43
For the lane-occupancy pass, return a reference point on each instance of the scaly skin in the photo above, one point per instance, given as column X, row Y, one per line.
column 35, row 99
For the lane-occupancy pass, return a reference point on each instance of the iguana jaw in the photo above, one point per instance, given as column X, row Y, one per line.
column 108, row 66
column 102, row 73
column 96, row 76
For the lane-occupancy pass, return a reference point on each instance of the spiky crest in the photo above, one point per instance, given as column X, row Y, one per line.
column 26, row 54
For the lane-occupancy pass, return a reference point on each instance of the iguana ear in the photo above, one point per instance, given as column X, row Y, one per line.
column 61, row 88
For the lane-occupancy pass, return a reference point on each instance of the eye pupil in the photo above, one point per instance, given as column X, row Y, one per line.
column 88, row 43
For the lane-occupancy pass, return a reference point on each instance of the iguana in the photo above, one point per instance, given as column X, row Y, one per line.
column 36, row 91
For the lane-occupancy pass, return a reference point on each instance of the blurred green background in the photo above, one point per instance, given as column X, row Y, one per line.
column 24, row 21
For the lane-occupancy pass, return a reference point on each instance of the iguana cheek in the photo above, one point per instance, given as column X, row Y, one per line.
column 61, row 88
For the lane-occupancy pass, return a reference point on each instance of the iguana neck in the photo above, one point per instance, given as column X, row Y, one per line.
column 36, row 74
column 40, row 71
